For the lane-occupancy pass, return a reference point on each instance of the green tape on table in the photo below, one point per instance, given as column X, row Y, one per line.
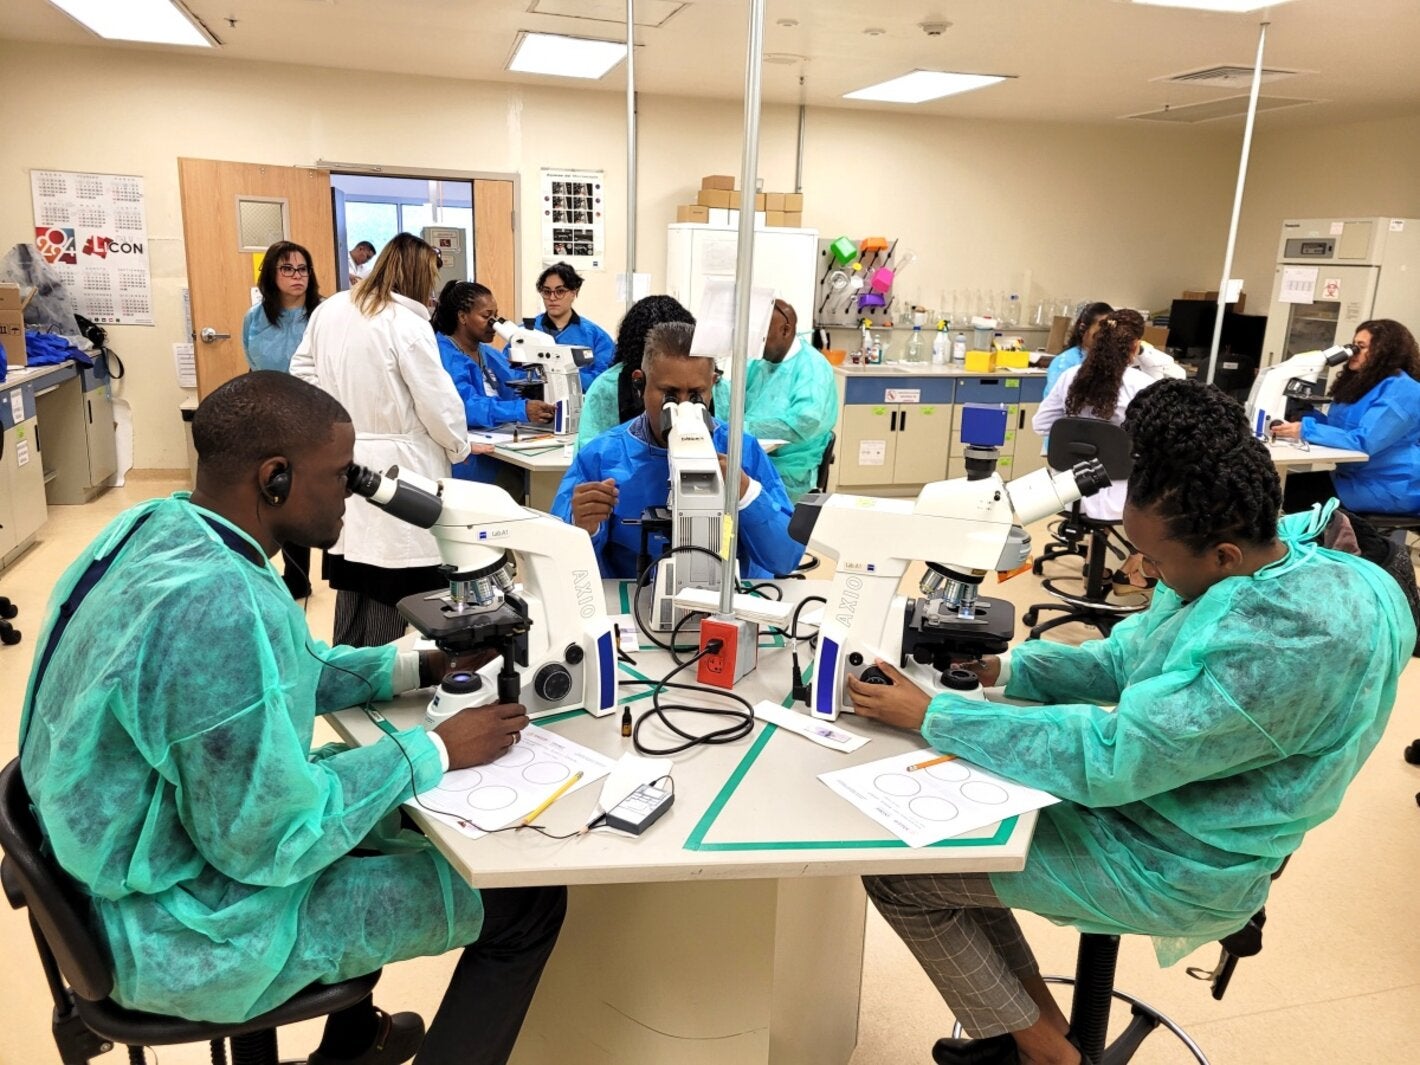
column 696, row 840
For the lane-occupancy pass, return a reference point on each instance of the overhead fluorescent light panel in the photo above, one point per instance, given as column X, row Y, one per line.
column 565, row 57
column 1227, row 6
column 923, row 85
column 149, row 21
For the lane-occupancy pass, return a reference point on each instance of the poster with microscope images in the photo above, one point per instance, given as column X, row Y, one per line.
column 573, row 218
column 922, row 798
column 92, row 229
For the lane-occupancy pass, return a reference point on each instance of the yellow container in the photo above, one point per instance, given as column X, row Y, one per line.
column 1014, row 360
column 980, row 361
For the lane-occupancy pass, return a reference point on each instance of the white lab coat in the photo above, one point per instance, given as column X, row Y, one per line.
column 1107, row 505
column 407, row 413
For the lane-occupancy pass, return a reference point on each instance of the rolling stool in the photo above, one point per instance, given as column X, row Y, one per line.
column 9, row 635
column 1075, row 440
column 86, row 1021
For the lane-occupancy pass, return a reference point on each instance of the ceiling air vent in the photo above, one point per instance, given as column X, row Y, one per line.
column 1210, row 110
column 1227, row 76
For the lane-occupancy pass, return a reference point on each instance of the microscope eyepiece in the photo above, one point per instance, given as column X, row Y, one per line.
column 1339, row 354
column 1091, row 477
column 395, row 496
column 361, row 480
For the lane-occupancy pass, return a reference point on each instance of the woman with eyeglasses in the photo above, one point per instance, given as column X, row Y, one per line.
column 289, row 293
column 270, row 333
column 1375, row 408
column 558, row 286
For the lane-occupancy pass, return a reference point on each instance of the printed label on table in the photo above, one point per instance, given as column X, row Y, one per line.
column 1331, row 288
column 902, row 395
column 872, row 452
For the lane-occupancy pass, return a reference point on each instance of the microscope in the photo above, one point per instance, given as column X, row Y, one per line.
column 693, row 521
column 551, row 629
column 553, row 371
column 1286, row 391
column 964, row 528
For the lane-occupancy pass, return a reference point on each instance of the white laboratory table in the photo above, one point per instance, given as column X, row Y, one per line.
column 543, row 466
column 732, row 931
column 1290, row 456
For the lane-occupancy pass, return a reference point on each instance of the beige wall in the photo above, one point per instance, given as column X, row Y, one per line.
column 1360, row 169
column 1130, row 214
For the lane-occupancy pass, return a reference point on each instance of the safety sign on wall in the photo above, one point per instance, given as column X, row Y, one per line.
column 92, row 229
column 574, row 218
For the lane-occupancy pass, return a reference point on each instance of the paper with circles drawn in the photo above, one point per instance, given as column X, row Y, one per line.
column 495, row 795
column 927, row 805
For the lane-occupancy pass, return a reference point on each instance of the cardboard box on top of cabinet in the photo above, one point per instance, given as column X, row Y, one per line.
column 794, row 219
column 774, row 218
column 692, row 212
column 774, row 201
column 12, row 324
column 717, row 181
column 1156, row 336
column 714, row 198
column 793, row 201
column 1212, row 295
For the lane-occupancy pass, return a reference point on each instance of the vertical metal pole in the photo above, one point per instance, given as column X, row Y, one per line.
column 1237, row 204
column 744, row 287
column 630, row 151
column 799, row 155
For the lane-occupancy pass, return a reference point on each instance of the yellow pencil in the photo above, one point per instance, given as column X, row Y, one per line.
column 924, row 765
column 567, row 786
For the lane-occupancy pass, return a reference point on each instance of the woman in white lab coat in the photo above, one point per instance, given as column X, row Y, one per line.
column 374, row 350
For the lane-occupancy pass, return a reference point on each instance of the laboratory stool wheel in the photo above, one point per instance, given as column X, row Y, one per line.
column 7, row 608
column 1030, row 617
column 9, row 635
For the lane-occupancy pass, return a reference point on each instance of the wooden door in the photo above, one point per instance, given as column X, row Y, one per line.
column 219, row 202
column 494, row 244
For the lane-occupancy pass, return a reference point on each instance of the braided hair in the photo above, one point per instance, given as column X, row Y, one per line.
column 456, row 298
column 1199, row 468
column 1393, row 350
column 639, row 319
column 1099, row 378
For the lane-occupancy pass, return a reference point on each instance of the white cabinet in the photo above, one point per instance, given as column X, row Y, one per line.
column 22, row 503
column 784, row 260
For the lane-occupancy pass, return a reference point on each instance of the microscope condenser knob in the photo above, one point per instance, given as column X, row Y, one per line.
column 552, row 682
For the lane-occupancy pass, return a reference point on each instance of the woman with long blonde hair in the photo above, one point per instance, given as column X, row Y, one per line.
column 373, row 349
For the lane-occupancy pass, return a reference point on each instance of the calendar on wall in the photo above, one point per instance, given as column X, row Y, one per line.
column 92, row 229
column 573, row 218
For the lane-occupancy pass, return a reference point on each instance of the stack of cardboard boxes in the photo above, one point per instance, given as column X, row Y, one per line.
column 718, row 203
column 12, row 324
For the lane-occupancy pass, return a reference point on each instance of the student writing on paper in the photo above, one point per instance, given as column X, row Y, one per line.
column 1226, row 743
column 626, row 469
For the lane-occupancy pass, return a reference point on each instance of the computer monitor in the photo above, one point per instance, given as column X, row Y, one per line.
column 1191, row 328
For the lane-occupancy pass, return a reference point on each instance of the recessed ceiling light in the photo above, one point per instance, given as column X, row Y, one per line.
column 565, row 57
column 922, row 85
column 151, row 21
column 1234, row 6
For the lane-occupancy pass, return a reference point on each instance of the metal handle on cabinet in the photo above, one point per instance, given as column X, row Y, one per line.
column 892, row 425
column 211, row 336
column 903, row 423
column 1021, row 421
column 90, row 404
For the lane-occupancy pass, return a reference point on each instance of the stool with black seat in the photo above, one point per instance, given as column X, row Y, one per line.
column 86, row 1021
column 824, row 464
column 1075, row 440
column 811, row 561
column 1095, row 963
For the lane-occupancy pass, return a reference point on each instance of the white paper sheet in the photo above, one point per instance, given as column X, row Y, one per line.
column 1299, row 284
column 495, row 795
column 185, row 357
column 935, row 803
column 715, row 321
column 813, row 730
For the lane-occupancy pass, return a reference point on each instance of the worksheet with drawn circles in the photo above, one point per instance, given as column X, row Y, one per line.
column 521, row 779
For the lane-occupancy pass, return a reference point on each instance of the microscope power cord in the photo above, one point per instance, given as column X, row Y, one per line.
column 743, row 720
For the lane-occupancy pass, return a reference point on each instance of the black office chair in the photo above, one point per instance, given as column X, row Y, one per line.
column 1074, row 440
column 86, row 1021
column 821, row 478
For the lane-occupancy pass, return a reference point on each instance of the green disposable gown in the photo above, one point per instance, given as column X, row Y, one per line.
column 1240, row 718
column 168, row 755
column 797, row 401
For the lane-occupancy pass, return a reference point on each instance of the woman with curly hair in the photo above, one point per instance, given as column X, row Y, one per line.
column 1375, row 408
column 1191, row 750
column 1100, row 387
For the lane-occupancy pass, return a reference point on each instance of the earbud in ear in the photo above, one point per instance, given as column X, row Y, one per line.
column 278, row 486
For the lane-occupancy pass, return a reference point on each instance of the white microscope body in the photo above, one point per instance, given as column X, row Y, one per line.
column 514, row 573
column 696, row 502
column 1293, row 380
column 555, row 365
column 965, row 528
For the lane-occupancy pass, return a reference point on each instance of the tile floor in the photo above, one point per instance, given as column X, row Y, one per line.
column 1338, row 979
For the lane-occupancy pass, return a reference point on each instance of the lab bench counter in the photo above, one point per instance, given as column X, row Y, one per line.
column 732, row 930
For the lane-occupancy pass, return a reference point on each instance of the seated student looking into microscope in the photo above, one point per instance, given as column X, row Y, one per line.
column 166, row 746
column 626, row 469
column 1181, row 802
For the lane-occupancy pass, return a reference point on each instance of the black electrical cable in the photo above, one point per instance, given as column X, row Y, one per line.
column 642, row 580
column 743, row 720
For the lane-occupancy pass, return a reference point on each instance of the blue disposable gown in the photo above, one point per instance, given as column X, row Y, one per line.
column 1226, row 744
column 270, row 347
column 483, row 410
column 168, row 754
column 584, row 333
column 642, row 475
column 601, row 406
column 1062, row 362
column 795, row 400
column 1385, row 424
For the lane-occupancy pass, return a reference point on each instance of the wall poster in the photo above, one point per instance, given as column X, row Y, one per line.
column 92, row 229
column 573, row 218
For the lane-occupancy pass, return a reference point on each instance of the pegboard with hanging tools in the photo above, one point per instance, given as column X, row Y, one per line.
column 856, row 279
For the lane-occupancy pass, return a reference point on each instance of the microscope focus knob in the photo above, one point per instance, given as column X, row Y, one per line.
column 552, row 682
column 874, row 675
